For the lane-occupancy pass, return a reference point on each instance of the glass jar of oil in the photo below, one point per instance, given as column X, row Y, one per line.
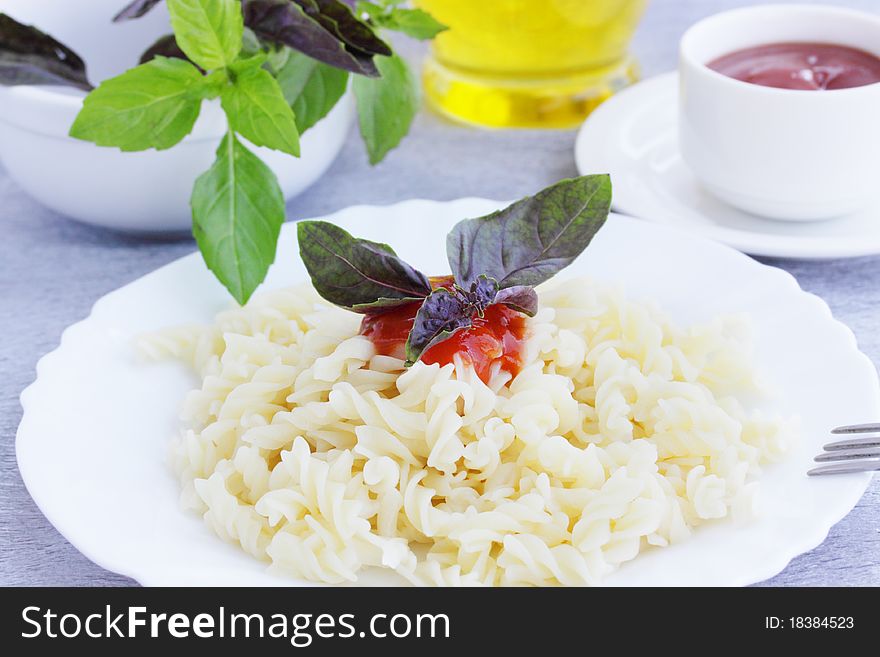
column 529, row 63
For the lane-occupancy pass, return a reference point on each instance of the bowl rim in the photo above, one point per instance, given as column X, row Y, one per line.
column 48, row 94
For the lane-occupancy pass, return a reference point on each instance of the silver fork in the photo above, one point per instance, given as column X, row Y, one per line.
column 857, row 453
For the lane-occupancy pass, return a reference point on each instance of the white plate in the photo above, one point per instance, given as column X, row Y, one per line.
column 634, row 137
column 91, row 446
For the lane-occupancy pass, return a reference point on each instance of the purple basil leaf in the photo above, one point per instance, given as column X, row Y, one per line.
column 519, row 297
column 29, row 56
column 533, row 239
column 135, row 9
column 337, row 18
column 482, row 293
column 285, row 22
column 356, row 274
column 165, row 46
column 442, row 314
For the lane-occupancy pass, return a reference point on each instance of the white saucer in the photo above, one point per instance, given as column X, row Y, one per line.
column 633, row 136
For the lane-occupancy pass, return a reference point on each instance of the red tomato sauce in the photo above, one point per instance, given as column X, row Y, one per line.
column 498, row 336
column 806, row 66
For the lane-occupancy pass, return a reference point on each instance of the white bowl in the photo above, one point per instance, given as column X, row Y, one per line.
column 145, row 192
column 780, row 153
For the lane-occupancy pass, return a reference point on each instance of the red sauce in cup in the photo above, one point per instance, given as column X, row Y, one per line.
column 805, row 66
column 498, row 336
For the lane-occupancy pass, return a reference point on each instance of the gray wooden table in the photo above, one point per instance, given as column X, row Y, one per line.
column 52, row 270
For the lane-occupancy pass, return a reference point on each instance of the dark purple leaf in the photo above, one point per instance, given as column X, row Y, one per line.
column 338, row 19
column 356, row 274
column 520, row 297
column 285, row 22
column 135, row 9
column 29, row 56
column 533, row 239
column 165, row 46
column 442, row 314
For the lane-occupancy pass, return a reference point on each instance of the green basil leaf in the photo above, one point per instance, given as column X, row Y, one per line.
column 442, row 314
column 277, row 55
column 243, row 64
column 238, row 209
column 354, row 273
column 154, row 105
column 257, row 110
column 415, row 23
column 250, row 44
column 533, row 239
column 135, row 9
column 337, row 18
column 372, row 11
column 519, row 297
column 208, row 31
column 285, row 22
column 311, row 87
column 29, row 56
column 386, row 106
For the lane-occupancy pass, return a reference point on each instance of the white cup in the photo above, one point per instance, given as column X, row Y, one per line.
column 787, row 154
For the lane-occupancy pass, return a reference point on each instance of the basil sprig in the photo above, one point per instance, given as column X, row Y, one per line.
column 446, row 311
column 278, row 68
column 496, row 259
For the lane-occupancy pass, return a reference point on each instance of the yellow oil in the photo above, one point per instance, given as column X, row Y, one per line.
column 529, row 63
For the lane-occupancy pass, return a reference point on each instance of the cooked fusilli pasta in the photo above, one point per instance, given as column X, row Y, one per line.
column 621, row 432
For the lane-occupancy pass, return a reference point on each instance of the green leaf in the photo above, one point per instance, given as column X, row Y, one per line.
column 356, row 274
column 415, row 23
column 208, row 31
column 374, row 12
column 250, row 43
column 312, row 88
column 386, row 105
column 154, row 105
column 441, row 315
column 285, row 22
column 533, row 239
column 238, row 209
column 29, row 56
column 257, row 110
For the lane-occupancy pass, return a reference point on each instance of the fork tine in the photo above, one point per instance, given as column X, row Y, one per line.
column 853, row 443
column 843, row 468
column 857, row 428
column 849, row 454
